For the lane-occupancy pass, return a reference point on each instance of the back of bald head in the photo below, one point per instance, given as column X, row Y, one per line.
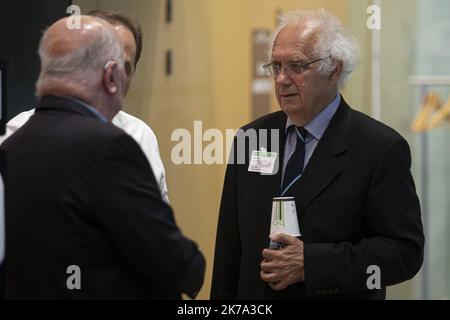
column 76, row 57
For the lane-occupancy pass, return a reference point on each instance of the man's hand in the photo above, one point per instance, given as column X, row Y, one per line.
column 283, row 267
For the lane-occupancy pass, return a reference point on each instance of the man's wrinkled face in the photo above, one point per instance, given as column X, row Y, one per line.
column 304, row 93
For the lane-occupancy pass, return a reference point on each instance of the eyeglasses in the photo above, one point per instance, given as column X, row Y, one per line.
column 274, row 68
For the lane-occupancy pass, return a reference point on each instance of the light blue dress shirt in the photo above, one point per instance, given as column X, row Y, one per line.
column 316, row 128
column 90, row 109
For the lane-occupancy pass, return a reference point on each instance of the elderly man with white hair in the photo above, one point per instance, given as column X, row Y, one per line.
column 349, row 176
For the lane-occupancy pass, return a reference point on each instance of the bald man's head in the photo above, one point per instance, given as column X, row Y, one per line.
column 74, row 61
column 77, row 52
column 59, row 40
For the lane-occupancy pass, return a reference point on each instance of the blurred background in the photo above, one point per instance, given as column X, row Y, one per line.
column 202, row 62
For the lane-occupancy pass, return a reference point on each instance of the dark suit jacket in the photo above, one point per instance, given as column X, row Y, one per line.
column 356, row 205
column 81, row 192
column 2, row 212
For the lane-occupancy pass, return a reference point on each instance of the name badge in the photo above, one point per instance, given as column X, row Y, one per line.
column 262, row 162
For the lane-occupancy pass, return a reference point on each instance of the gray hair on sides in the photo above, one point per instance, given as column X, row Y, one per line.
column 333, row 42
column 82, row 66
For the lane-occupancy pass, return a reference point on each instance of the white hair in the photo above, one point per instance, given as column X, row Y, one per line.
column 333, row 43
column 82, row 66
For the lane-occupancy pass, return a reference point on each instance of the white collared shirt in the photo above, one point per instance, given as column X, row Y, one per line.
column 135, row 127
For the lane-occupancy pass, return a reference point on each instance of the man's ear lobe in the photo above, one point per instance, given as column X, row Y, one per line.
column 110, row 77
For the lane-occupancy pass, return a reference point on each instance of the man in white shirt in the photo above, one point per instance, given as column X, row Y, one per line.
column 131, row 35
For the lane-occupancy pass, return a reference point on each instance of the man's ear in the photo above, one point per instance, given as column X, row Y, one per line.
column 110, row 77
column 337, row 72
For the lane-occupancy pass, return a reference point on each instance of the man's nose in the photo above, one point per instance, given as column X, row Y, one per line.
column 283, row 77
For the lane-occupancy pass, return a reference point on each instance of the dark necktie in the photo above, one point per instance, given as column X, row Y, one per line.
column 294, row 167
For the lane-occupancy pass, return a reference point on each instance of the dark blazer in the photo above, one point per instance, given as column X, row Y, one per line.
column 81, row 192
column 356, row 206
column 2, row 212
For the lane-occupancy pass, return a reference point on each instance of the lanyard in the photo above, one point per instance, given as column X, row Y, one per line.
column 283, row 192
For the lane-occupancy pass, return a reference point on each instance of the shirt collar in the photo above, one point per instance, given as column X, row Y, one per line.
column 317, row 126
column 91, row 109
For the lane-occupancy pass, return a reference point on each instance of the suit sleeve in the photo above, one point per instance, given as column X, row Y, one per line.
column 140, row 224
column 228, row 249
column 394, row 241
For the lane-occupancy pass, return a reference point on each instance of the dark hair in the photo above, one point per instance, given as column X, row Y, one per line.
column 117, row 18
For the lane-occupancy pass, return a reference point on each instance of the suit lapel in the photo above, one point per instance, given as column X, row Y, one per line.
column 274, row 182
column 323, row 167
column 263, row 188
